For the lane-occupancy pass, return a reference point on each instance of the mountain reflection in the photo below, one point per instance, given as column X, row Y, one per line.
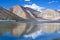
column 19, row 28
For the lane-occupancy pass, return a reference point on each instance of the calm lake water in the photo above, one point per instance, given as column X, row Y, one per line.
column 10, row 28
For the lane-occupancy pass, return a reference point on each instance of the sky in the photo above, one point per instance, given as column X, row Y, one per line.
column 34, row 4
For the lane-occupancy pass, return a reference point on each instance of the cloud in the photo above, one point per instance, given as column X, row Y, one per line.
column 58, row 9
column 27, row 0
column 35, row 7
column 52, row 2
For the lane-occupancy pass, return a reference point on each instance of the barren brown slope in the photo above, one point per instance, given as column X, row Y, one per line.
column 50, row 14
column 29, row 15
column 7, row 15
column 21, row 12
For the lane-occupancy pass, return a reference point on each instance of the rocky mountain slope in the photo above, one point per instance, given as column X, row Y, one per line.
column 50, row 14
column 24, row 13
column 30, row 14
column 21, row 12
column 8, row 15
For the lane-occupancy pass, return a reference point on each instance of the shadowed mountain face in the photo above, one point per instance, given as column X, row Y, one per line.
column 33, row 12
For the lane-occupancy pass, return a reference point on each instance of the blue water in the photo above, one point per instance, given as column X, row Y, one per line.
column 51, row 36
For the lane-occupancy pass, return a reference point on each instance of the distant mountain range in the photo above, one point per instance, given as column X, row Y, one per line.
column 24, row 13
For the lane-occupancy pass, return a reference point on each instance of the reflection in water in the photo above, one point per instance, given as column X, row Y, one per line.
column 17, row 28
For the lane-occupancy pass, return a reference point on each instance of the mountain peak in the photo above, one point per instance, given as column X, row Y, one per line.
column 48, row 10
column 16, row 6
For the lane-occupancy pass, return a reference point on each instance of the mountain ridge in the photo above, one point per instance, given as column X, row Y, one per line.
column 27, row 13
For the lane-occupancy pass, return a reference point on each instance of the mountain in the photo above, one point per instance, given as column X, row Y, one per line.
column 31, row 14
column 15, row 14
column 50, row 14
column 35, row 13
column 24, row 13
column 21, row 12
column 8, row 15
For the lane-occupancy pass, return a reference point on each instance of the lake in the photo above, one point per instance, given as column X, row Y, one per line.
column 17, row 28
